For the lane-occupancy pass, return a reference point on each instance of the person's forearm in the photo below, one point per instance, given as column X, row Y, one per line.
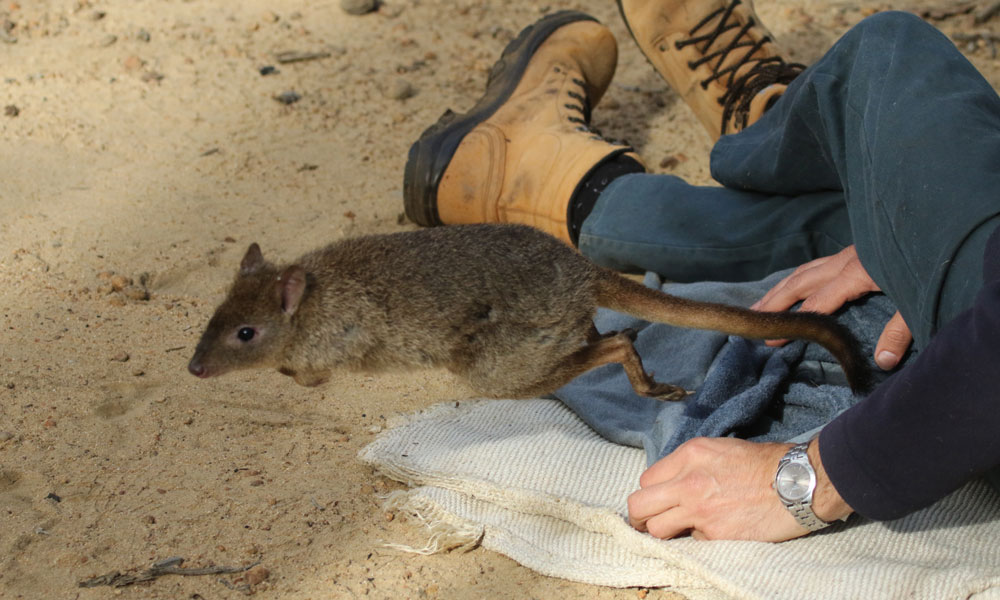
column 827, row 503
column 930, row 427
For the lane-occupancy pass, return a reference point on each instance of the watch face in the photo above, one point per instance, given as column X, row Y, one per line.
column 794, row 481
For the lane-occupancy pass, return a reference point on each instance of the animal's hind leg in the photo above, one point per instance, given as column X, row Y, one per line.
column 594, row 336
column 616, row 348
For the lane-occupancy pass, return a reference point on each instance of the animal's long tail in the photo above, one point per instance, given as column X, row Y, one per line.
column 631, row 297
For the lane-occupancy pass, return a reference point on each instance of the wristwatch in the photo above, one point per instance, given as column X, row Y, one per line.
column 795, row 483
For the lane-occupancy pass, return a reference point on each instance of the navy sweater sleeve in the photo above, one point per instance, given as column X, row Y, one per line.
column 933, row 425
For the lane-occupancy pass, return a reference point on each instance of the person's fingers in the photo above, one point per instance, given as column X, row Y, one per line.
column 826, row 300
column 803, row 282
column 791, row 289
column 893, row 342
column 830, row 297
column 646, row 503
column 779, row 288
column 670, row 524
column 662, row 470
column 823, row 288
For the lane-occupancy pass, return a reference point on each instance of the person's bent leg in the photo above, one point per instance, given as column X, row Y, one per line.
column 659, row 223
column 722, row 61
column 899, row 120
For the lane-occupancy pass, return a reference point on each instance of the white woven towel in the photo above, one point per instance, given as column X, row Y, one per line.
column 528, row 479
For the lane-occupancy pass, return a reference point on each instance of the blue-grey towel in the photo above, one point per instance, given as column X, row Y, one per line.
column 743, row 388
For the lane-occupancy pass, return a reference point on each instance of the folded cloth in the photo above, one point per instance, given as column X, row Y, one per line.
column 529, row 479
column 743, row 387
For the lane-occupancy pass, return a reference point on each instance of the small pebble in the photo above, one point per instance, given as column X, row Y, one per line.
column 257, row 575
column 669, row 162
column 108, row 40
column 400, row 89
column 143, row 35
column 6, row 436
column 390, row 12
column 268, row 70
column 11, row 111
column 120, row 357
column 136, row 293
column 288, row 97
column 132, row 63
column 358, row 7
column 120, row 282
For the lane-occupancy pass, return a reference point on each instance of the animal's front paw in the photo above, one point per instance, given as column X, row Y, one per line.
column 311, row 378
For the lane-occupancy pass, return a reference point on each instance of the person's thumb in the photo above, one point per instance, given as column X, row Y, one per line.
column 893, row 342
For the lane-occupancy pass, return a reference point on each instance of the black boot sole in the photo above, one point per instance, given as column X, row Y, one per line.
column 430, row 155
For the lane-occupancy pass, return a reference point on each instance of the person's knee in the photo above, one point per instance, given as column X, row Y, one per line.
column 892, row 25
column 887, row 45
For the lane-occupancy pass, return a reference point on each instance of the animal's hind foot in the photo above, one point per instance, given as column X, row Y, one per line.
column 630, row 333
column 594, row 336
column 665, row 392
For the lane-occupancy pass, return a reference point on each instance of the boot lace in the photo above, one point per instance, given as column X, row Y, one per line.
column 741, row 90
column 583, row 106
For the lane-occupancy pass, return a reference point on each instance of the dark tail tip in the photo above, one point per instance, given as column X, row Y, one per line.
column 860, row 378
column 852, row 359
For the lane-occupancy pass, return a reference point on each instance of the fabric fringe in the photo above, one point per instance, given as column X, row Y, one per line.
column 445, row 531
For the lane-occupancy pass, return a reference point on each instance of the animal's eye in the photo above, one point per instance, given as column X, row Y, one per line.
column 246, row 334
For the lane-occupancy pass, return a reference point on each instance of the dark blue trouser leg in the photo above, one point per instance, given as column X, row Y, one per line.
column 893, row 124
column 689, row 233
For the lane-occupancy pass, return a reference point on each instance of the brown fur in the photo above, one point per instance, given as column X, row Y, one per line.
column 506, row 307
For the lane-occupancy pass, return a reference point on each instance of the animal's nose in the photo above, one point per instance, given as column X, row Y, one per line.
column 197, row 369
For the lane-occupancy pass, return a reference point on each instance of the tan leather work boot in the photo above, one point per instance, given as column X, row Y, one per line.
column 519, row 155
column 715, row 53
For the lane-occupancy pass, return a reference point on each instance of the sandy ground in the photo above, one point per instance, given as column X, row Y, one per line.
column 142, row 152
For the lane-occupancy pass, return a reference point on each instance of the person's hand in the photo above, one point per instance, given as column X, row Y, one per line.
column 720, row 488
column 714, row 488
column 826, row 284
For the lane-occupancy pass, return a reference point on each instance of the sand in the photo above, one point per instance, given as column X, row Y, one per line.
column 143, row 150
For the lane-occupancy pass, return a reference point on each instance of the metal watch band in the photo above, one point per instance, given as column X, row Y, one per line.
column 805, row 516
column 802, row 511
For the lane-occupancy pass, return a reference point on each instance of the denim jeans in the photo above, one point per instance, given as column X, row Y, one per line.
column 891, row 142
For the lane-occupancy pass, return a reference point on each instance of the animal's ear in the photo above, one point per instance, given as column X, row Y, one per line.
column 252, row 260
column 291, row 288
